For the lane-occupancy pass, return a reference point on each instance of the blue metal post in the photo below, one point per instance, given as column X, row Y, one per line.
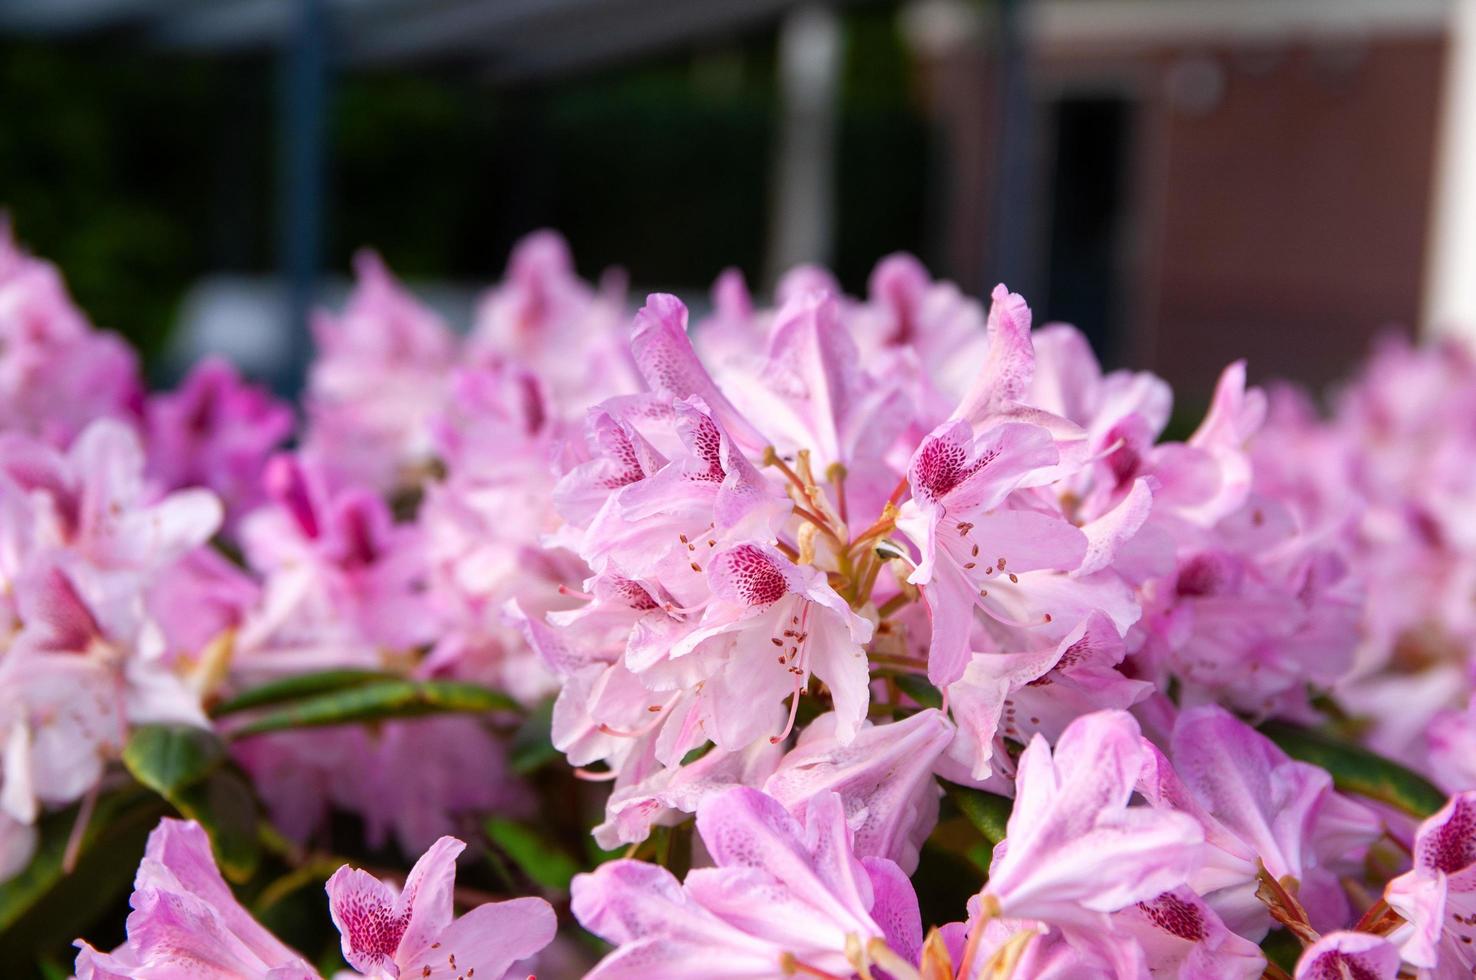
column 303, row 148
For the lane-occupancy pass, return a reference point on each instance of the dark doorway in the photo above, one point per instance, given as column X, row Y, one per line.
column 1088, row 207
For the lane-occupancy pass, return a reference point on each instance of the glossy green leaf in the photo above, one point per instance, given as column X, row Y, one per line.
column 377, row 701
column 916, row 687
column 539, row 859
column 532, row 745
column 1357, row 770
column 987, row 812
column 167, row 758
column 184, row 765
column 43, row 906
column 300, row 686
column 225, row 806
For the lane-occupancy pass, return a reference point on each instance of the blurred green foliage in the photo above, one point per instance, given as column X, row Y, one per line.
column 139, row 170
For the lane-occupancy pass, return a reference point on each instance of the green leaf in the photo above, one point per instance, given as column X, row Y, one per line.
column 986, row 811
column 1357, row 770
column 50, row 969
column 299, row 686
column 1282, row 949
column 224, row 805
column 167, row 758
column 379, row 700
column 185, row 766
column 916, row 687
column 43, row 905
column 532, row 745
column 539, row 859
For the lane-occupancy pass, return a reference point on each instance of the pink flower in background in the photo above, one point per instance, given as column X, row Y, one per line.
column 380, row 376
column 407, row 779
column 198, row 600
column 909, row 314
column 186, row 923
column 57, row 374
column 412, row 932
column 342, row 581
column 542, row 313
column 215, row 431
column 84, row 668
column 95, row 502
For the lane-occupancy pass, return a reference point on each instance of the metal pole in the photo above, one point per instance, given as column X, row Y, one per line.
column 303, row 147
column 801, row 204
column 1011, row 234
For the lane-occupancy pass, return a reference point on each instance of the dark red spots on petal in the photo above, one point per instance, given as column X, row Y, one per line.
column 707, row 446
column 1335, row 965
column 621, row 451
column 941, row 466
column 1452, row 846
column 372, row 928
column 633, row 594
column 754, row 575
column 1175, row 916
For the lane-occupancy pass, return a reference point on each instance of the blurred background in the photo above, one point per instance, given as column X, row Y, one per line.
column 1189, row 181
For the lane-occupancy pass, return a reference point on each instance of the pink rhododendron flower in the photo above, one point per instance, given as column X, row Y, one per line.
column 411, row 932
column 1349, row 954
column 1074, row 848
column 411, row 780
column 1258, row 808
column 814, row 579
column 381, row 374
column 57, row 374
column 883, row 776
column 784, row 895
column 342, row 580
column 1436, row 895
column 542, row 313
column 956, row 518
column 185, row 922
column 1181, row 936
column 215, row 431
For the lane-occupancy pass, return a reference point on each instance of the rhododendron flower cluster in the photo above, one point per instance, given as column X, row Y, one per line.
column 883, row 637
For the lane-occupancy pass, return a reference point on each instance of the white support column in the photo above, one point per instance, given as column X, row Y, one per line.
column 801, row 200
column 1450, row 266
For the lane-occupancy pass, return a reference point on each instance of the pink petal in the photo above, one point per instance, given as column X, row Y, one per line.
column 489, row 940
column 368, row 918
column 428, row 894
column 667, row 362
